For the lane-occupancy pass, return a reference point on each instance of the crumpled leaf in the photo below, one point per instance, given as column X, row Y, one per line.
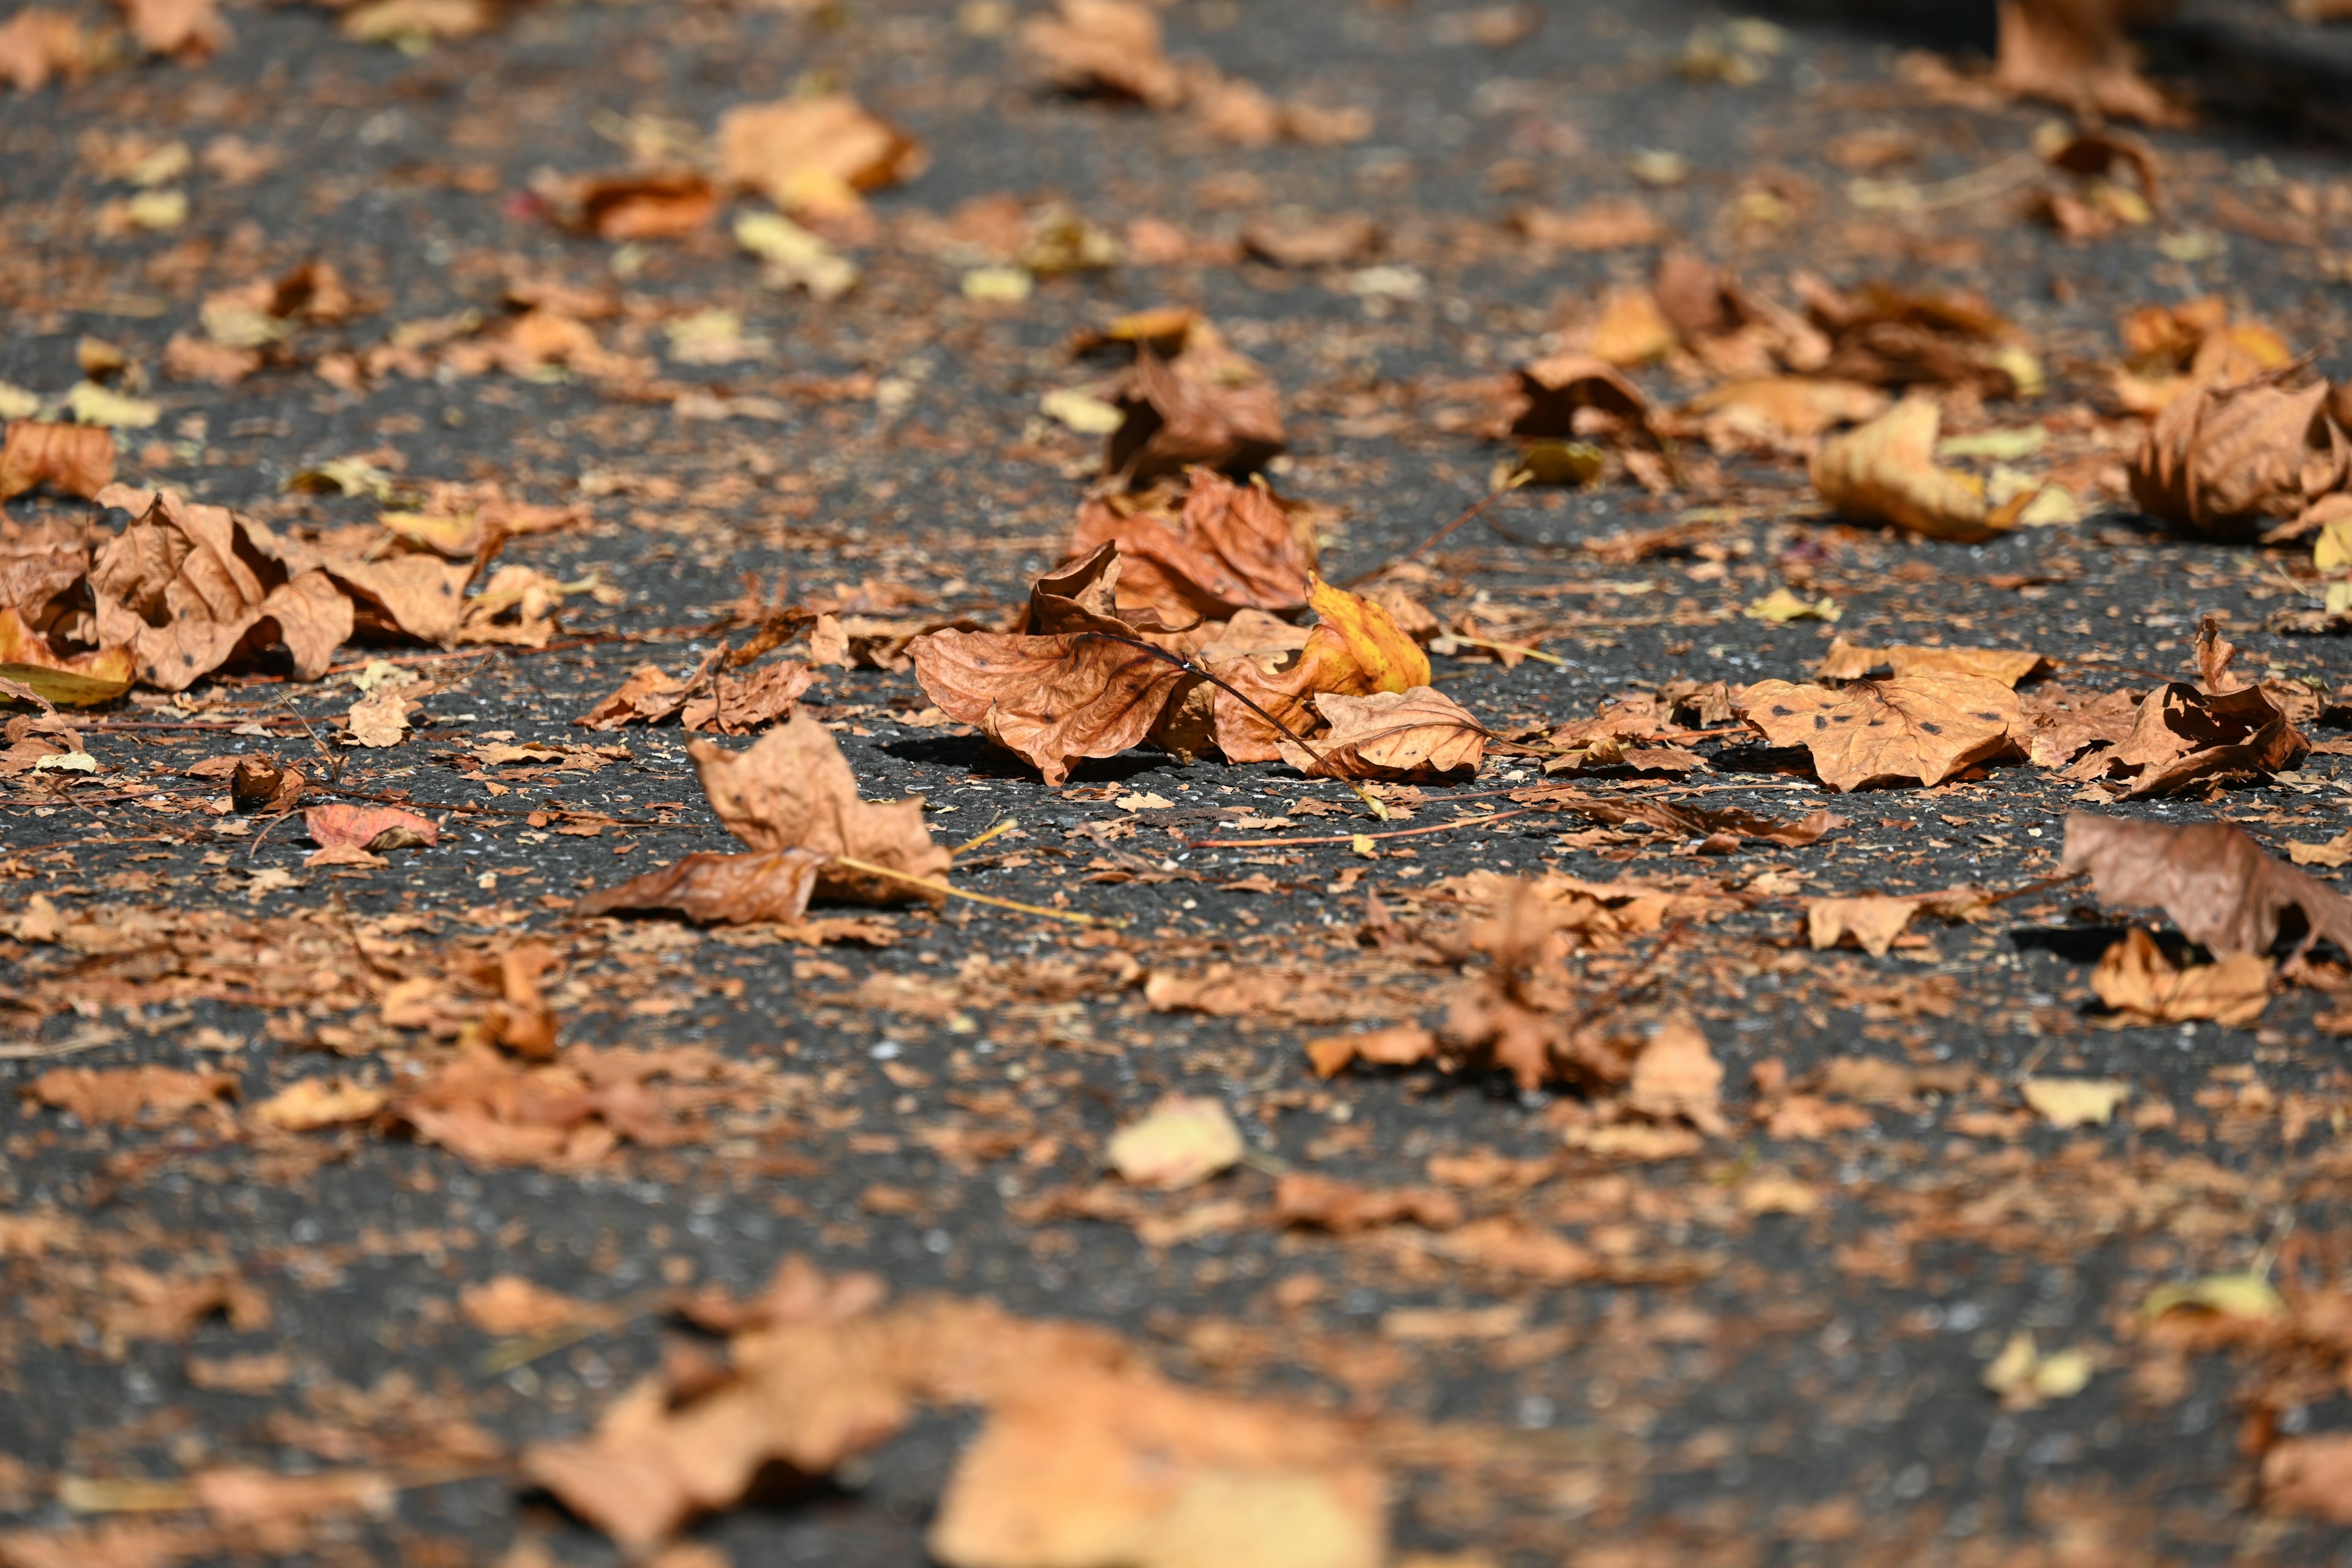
column 72, row 460
column 1871, row 920
column 704, row 886
column 1885, row 472
column 67, row 680
column 180, row 586
column 794, row 790
column 1925, row 727
column 114, row 1096
column 1416, row 733
column 2226, row 459
column 2134, row 977
column 814, row 155
column 1283, row 682
column 1208, row 406
column 1110, row 47
column 2215, row 882
column 1047, row 699
column 1229, row 547
column 1184, row 1141
column 1574, row 396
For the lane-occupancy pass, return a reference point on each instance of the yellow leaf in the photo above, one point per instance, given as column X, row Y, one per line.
column 2229, row 1295
column 2075, row 1101
column 1185, row 1140
column 1780, row 604
column 1386, row 654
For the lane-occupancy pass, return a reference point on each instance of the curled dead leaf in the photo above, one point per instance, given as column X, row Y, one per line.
column 1885, row 472
column 704, row 886
column 1416, row 733
column 794, row 790
column 2213, row 881
column 2225, row 459
column 2136, row 977
column 72, row 460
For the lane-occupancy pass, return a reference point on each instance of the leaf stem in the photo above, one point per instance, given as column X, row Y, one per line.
column 1073, row 916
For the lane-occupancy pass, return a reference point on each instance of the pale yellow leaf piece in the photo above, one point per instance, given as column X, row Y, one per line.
column 1873, row 921
column 2249, row 1296
column 2025, row 1377
column 1782, row 606
column 1923, row 727
column 1184, row 1141
column 1885, row 472
column 2071, row 1103
column 1087, row 414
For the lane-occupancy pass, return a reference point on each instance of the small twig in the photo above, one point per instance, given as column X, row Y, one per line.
column 1476, row 509
column 969, row 845
column 1351, row 837
column 508, row 1354
column 1073, row 916
column 596, row 816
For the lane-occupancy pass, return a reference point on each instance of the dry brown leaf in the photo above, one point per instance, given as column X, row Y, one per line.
column 1110, row 47
column 1305, row 1198
column 314, row 1103
column 1207, row 406
column 1847, row 661
column 1048, row 699
column 182, row 585
column 508, row 1304
column 704, row 887
column 1676, row 1077
column 1401, row 1045
column 72, row 460
column 1574, row 396
column 113, row 1096
column 1419, row 733
column 37, row 43
column 2214, row 881
column 1184, row 1141
column 2310, row 1475
column 814, row 156
column 2227, row 459
column 1229, row 547
column 649, row 695
column 2134, row 977
column 2075, row 52
column 1885, row 472
column 794, row 790
column 1873, row 921
column 1926, row 726
column 376, row 828
column 2183, row 737
column 1783, row 413
column 187, row 29
column 1605, row 222
column 640, row 205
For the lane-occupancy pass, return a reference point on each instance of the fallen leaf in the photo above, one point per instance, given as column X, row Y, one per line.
column 378, row 720
column 508, row 1305
column 2310, row 1475
column 1382, row 649
column 1401, row 1045
column 1419, row 733
column 1873, row 921
column 704, row 887
column 72, row 460
column 1676, row 1077
column 794, row 790
column 2335, row 854
column 2025, row 1378
column 315, row 1102
column 1782, row 606
column 115, row 1096
column 1048, row 699
column 1928, row 726
column 1783, row 412
column 1229, row 547
column 2077, row 55
column 1107, row 47
column 2226, row 459
column 2213, row 881
column 1184, row 1141
column 67, row 680
column 2070, row 1102
column 1208, row 406
column 2134, row 977
column 814, row 156
column 374, row 828
column 1846, row 662
column 1574, row 396
column 1305, row 1198
column 1605, row 222
column 1885, row 472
